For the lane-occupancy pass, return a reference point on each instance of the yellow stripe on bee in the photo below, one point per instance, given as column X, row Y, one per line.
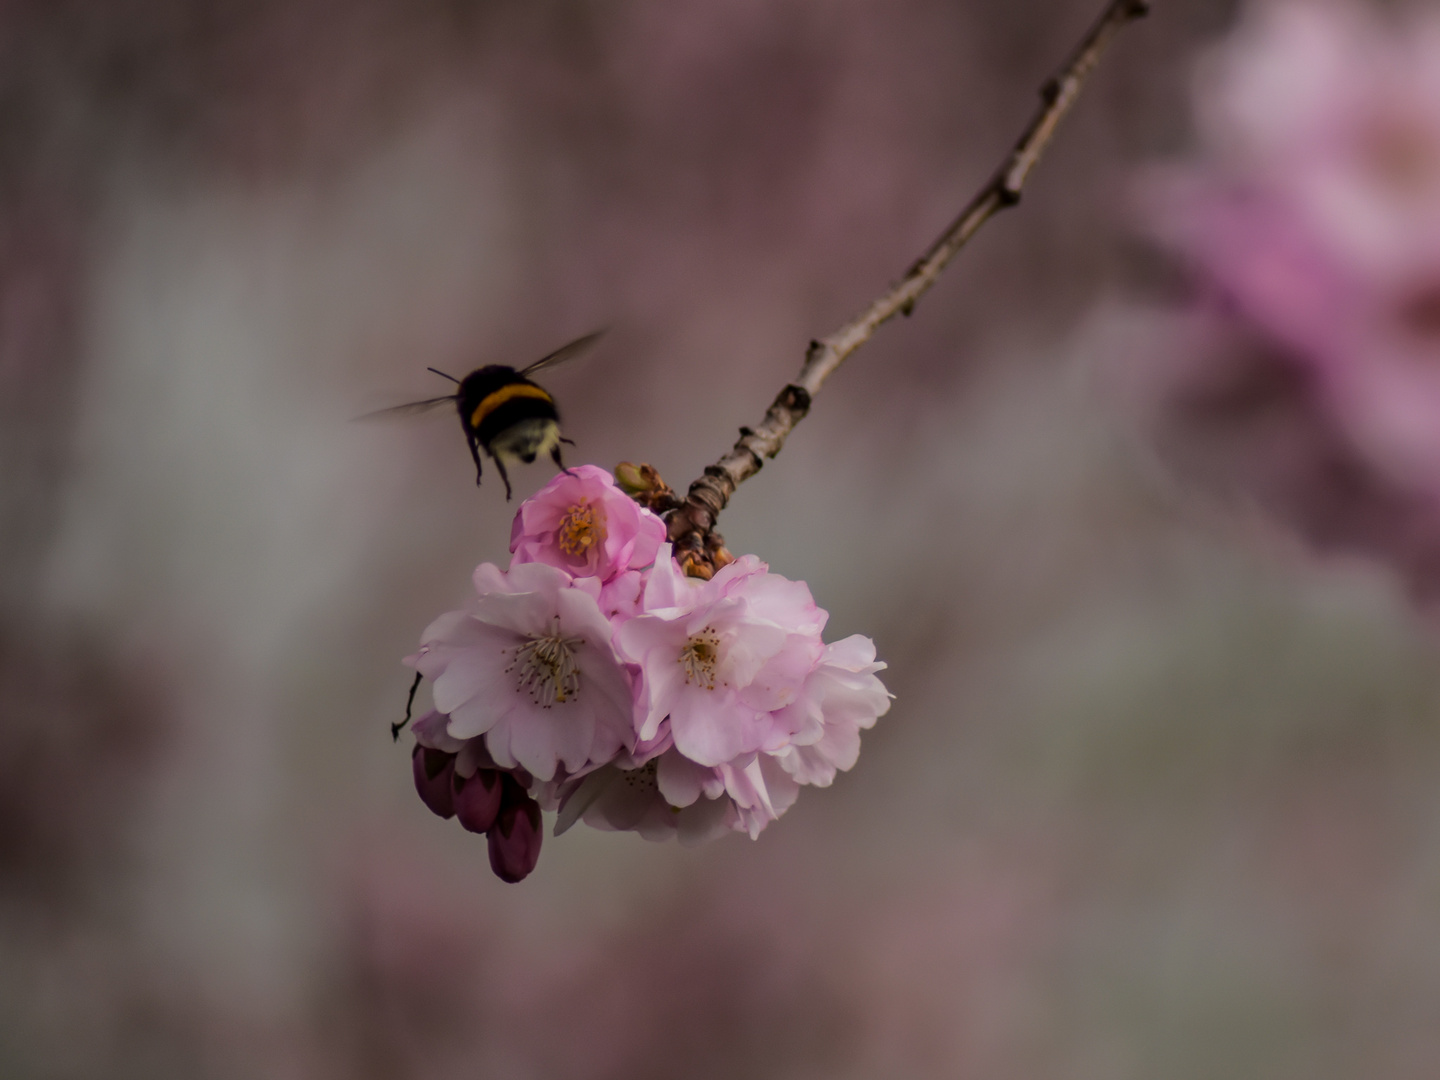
column 492, row 401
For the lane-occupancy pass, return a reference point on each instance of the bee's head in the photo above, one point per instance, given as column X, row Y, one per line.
column 485, row 379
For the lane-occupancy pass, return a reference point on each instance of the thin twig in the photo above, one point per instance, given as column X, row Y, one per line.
column 693, row 522
column 395, row 729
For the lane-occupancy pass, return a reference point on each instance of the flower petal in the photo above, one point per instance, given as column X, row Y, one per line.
column 582, row 797
column 474, row 668
column 713, row 727
column 680, row 780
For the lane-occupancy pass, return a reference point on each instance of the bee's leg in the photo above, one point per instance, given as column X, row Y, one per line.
column 501, row 466
column 475, row 453
column 559, row 463
column 567, row 442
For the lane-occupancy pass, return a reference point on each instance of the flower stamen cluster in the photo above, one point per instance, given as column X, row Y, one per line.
column 699, row 656
column 582, row 527
column 545, row 668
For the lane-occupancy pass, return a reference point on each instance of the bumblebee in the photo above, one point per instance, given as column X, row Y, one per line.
column 503, row 412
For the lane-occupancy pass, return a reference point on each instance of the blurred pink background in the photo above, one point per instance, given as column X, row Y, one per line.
column 1160, row 791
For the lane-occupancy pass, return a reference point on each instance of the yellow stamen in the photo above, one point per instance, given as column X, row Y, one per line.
column 545, row 668
column 582, row 528
column 699, row 658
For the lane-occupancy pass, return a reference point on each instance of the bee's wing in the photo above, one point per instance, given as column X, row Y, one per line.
column 565, row 353
column 410, row 408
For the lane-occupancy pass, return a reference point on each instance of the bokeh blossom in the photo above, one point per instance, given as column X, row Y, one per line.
column 1311, row 223
column 596, row 679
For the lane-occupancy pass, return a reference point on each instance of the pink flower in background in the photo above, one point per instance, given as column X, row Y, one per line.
column 1336, row 114
column 1313, row 218
column 582, row 523
column 532, row 669
column 720, row 657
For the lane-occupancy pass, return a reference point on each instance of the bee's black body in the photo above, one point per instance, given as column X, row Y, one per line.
column 503, row 413
column 509, row 417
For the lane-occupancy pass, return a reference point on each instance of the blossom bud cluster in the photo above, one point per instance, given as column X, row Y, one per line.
column 594, row 678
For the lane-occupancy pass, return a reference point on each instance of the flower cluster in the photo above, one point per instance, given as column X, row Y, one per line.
column 1312, row 222
column 595, row 678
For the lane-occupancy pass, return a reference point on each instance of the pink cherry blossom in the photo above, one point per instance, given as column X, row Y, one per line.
column 721, row 658
column 531, row 668
column 841, row 697
column 761, row 791
column 670, row 796
column 583, row 523
column 643, row 701
column 620, row 597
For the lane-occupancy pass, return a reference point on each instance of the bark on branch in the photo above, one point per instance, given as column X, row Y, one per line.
column 692, row 524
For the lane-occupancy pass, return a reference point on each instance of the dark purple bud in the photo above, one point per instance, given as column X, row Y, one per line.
column 515, row 836
column 434, row 776
column 477, row 799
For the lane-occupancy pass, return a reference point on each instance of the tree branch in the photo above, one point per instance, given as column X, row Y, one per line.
column 692, row 523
